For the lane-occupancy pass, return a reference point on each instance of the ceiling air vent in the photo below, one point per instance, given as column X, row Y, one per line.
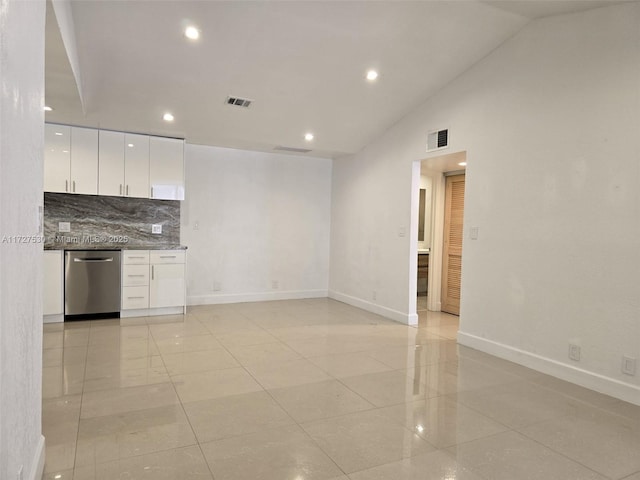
column 239, row 102
column 437, row 140
column 292, row 149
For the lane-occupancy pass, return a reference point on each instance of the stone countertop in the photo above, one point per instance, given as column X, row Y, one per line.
column 112, row 246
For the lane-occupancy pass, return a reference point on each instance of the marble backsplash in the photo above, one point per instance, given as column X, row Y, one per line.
column 109, row 222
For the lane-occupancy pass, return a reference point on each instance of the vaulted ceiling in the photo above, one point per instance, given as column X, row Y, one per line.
column 303, row 63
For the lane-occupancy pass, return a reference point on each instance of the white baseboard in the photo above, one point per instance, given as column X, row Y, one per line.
column 584, row 378
column 215, row 299
column 151, row 312
column 56, row 318
column 37, row 464
column 407, row 319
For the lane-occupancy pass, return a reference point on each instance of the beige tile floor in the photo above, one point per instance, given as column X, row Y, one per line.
column 313, row 390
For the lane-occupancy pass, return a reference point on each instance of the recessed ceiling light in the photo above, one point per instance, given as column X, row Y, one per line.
column 130, row 145
column 167, row 117
column 47, row 108
column 463, row 164
column 192, row 33
column 308, row 137
column 59, row 134
column 372, row 75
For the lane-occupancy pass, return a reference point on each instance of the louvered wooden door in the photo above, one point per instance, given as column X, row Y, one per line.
column 452, row 256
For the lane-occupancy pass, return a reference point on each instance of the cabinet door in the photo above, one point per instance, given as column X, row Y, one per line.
column 84, row 161
column 166, row 168
column 52, row 287
column 166, row 286
column 111, row 163
column 136, row 165
column 57, row 158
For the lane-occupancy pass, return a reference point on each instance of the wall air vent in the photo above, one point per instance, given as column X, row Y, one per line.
column 238, row 101
column 292, row 149
column 437, row 140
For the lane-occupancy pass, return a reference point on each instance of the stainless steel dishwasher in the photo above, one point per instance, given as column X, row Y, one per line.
column 91, row 284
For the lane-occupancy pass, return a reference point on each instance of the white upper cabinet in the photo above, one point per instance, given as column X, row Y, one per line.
column 166, row 168
column 71, row 159
column 84, row 161
column 136, row 165
column 124, row 164
column 57, row 158
column 111, row 161
column 103, row 162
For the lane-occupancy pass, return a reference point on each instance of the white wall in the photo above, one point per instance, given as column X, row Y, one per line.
column 21, row 147
column 550, row 123
column 262, row 218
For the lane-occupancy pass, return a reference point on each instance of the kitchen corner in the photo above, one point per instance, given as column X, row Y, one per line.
column 88, row 230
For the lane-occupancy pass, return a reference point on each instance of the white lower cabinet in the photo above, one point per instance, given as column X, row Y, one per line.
column 152, row 280
column 167, row 284
column 52, row 302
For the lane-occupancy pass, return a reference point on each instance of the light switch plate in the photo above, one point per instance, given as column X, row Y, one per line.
column 156, row 228
column 64, row 226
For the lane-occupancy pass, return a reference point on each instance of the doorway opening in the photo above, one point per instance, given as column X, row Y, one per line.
column 428, row 257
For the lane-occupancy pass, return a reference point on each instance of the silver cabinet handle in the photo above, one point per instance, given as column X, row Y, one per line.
column 168, row 256
column 120, row 189
column 74, row 186
column 131, row 298
column 137, row 275
column 152, row 272
column 151, row 192
column 93, row 260
column 66, row 185
column 135, row 257
column 127, row 194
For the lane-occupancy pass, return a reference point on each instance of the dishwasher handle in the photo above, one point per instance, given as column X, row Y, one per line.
column 93, row 260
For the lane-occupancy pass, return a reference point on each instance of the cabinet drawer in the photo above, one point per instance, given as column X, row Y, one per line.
column 135, row 257
column 135, row 297
column 167, row 256
column 135, row 275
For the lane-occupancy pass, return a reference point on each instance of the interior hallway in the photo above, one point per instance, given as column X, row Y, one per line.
column 314, row 389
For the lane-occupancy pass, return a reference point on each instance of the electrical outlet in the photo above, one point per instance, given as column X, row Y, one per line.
column 628, row 365
column 274, row 284
column 64, row 226
column 374, row 295
column 473, row 233
column 574, row 352
column 217, row 286
column 156, row 228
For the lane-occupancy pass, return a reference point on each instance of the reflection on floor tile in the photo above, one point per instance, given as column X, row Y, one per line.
column 313, row 389
column 443, row 422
